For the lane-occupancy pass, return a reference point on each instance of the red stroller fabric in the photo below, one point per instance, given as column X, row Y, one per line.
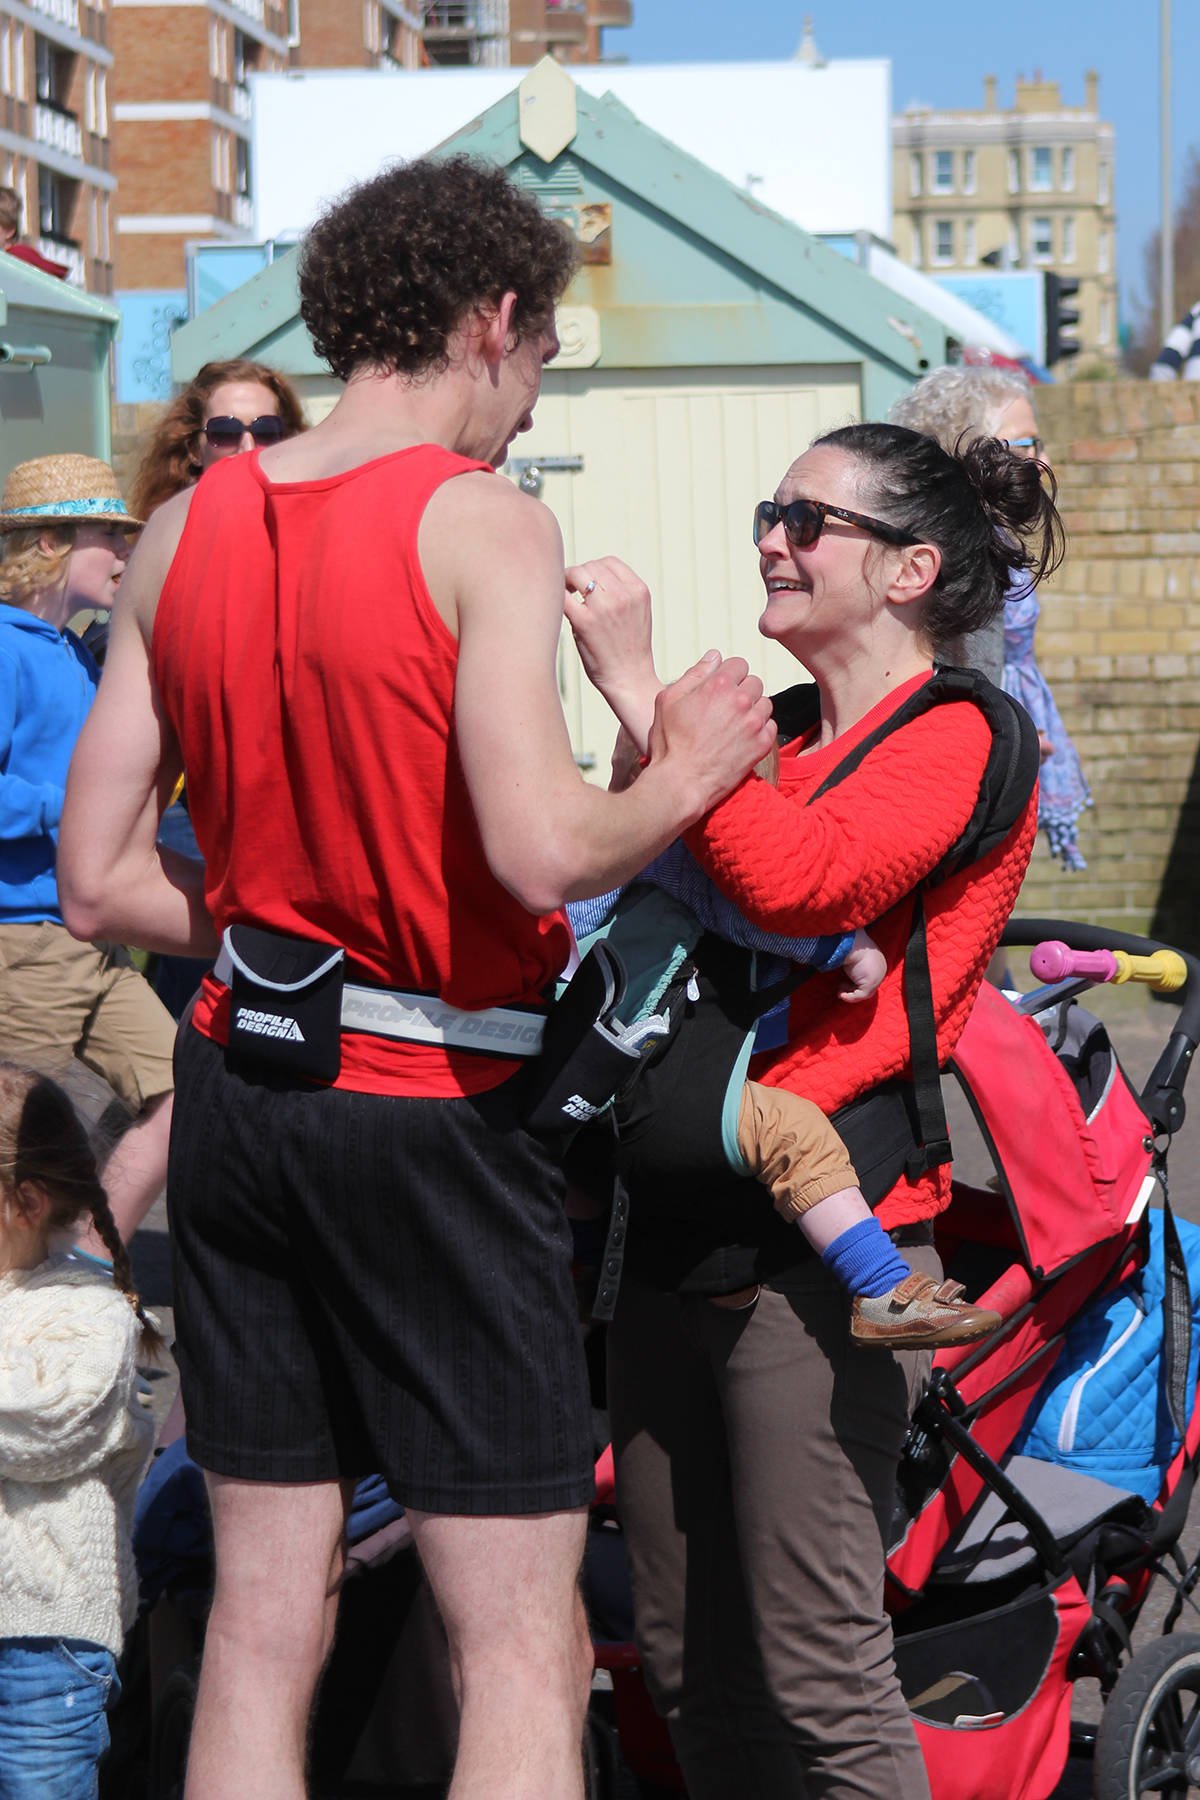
column 1063, row 1227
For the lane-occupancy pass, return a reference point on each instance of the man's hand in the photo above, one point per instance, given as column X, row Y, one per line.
column 716, row 723
column 607, row 607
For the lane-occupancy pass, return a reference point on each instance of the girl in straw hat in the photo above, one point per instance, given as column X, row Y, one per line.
column 64, row 542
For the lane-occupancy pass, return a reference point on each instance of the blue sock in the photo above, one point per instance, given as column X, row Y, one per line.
column 865, row 1260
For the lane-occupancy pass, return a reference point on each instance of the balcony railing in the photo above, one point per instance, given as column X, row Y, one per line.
column 57, row 128
column 63, row 12
column 253, row 9
column 463, row 18
column 63, row 250
column 242, row 211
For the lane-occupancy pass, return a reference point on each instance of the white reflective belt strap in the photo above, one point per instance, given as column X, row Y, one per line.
column 424, row 1019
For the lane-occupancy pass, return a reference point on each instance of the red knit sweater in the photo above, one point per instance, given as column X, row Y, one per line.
column 852, row 858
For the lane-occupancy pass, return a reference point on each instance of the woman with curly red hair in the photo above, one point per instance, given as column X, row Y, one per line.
column 227, row 407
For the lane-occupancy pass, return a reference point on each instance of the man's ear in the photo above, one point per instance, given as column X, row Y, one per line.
column 497, row 334
column 915, row 573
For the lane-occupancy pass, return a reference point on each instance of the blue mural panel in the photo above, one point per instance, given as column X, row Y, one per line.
column 143, row 350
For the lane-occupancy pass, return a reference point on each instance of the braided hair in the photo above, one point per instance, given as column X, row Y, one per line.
column 43, row 1142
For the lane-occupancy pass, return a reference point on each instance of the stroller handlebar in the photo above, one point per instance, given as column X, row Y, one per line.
column 1165, row 971
column 1162, row 1097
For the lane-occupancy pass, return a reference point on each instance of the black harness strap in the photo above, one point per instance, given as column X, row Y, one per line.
column 1008, row 780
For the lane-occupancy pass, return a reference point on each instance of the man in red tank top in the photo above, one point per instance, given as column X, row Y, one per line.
column 349, row 640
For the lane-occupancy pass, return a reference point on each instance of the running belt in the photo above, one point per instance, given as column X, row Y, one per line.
column 426, row 1019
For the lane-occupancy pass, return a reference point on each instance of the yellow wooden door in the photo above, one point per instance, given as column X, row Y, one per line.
column 673, row 462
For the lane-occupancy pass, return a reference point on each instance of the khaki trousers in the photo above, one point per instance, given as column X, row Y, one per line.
column 756, row 1454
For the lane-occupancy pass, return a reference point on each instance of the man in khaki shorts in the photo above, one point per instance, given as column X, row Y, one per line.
column 64, row 542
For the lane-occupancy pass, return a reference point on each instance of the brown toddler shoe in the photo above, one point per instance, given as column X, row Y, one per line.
column 917, row 1314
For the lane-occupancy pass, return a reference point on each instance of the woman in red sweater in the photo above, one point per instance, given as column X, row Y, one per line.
column 756, row 1445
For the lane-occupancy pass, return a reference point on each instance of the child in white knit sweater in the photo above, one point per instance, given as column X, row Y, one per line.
column 74, row 1442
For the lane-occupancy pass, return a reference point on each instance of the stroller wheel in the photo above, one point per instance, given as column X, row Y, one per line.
column 1149, row 1736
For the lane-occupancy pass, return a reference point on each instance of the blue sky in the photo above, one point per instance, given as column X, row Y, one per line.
column 940, row 51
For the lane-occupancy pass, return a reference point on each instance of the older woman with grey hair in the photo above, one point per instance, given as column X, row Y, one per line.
column 955, row 406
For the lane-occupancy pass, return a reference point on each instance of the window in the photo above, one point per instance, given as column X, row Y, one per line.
column 1041, row 240
column 1104, row 182
column 6, row 56
column 56, row 199
column 1104, row 332
column 1104, row 252
column 968, row 171
column 969, row 253
column 1066, row 169
column 914, row 173
column 1014, row 171
column 943, row 241
column 1068, row 239
column 243, row 167
column 247, row 57
column 916, row 244
column 1041, row 172
column 44, row 71
column 943, row 171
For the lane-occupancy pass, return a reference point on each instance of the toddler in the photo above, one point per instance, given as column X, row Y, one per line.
column 788, row 1144
column 74, row 1442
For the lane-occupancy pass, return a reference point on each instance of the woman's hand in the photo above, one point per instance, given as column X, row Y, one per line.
column 863, row 969
column 608, row 609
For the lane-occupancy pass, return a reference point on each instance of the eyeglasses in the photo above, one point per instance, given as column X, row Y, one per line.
column 226, row 433
column 804, row 520
column 1036, row 444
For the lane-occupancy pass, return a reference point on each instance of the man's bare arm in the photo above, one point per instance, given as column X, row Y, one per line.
column 114, row 880
column 547, row 834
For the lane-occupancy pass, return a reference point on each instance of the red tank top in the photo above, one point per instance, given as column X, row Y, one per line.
column 310, row 682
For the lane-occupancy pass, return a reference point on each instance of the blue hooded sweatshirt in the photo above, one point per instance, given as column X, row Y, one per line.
column 47, row 685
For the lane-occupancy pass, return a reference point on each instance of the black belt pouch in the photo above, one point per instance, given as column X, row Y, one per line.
column 583, row 1062
column 285, row 1003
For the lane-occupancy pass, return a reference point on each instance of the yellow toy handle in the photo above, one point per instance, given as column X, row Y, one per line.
column 1165, row 970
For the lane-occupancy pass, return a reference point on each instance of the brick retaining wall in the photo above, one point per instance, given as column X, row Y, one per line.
column 1119, row 642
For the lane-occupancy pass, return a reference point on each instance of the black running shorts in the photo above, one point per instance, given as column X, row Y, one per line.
column 369, row 1284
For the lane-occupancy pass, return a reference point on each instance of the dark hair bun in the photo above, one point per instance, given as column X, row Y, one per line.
column 989, row 511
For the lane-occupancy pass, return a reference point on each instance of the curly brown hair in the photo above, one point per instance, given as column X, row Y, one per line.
column 43, row 1142
column 168, row 463
column 396, row 264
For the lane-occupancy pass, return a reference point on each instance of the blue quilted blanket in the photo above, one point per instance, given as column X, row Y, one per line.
column 1103, row 1407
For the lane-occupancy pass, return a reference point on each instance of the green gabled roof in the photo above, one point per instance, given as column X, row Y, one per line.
column 22, row 285
column 702, row 273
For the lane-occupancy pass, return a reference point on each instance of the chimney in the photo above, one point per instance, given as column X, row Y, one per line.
column 989, row 93
column 1091, row 92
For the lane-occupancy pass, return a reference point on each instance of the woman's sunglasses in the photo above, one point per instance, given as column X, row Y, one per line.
column 226, row 433
column 804, row 520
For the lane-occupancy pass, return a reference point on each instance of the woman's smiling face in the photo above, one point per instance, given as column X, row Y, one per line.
column 825, row 590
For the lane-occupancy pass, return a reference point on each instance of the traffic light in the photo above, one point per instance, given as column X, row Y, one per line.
column 1058, row 295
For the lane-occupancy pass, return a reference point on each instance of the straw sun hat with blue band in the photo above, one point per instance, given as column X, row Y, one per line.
column 63, row 490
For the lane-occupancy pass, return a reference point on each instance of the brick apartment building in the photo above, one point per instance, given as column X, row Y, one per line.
column 181, row 101
column 55, row 78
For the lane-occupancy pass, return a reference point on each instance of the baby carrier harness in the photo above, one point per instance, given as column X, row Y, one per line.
column 672, row 1095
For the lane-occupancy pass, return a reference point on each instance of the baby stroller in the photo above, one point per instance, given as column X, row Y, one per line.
column 1026, row 1539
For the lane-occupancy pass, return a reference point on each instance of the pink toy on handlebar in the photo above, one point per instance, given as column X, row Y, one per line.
column 1054, row 961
